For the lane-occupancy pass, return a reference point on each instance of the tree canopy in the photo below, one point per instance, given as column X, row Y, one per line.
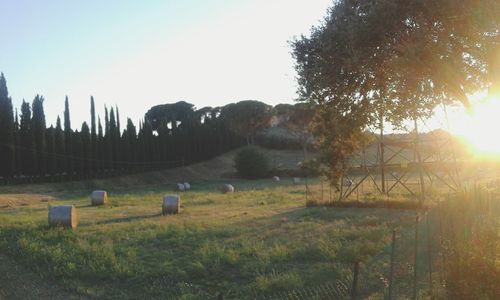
column 377, row 60
column 247, row 117
column 411, row 54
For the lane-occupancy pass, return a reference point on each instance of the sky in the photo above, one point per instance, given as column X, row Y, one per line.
column 137, row 54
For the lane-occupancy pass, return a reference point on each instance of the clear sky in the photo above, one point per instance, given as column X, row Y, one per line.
column 136, row 54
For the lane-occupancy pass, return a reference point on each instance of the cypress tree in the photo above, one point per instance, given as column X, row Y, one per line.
column 148, row 144
column 7, row 154
column 60, row 153
column 27, row 142
column 114, row 137
column 132, row 143
column 106, row 121
column 17, row 145
column 51, row 152
column 118, row 120
column 39, row 127
column 86, row 149
column 100, row 146
column 119, row 154
column 93, row 136
column 77, row 145
column 107, row 148
column 67, row 139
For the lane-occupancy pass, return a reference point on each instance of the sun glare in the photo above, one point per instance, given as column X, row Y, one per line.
column 480, row 127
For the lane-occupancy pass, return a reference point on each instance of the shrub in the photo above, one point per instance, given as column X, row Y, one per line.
column 250, row 162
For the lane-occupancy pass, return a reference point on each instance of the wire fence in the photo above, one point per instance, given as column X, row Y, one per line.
column 420, row 260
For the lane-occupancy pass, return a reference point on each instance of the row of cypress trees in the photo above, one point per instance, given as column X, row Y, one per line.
column 31, row 151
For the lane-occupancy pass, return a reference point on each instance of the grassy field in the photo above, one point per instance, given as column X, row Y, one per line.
column 257, row 241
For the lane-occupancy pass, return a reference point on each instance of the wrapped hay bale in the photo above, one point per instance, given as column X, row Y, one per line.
column 171, row 204
column 63, row 216
column 296, row 180
column 99, row 198
column 227, row 188
column 180, row 187
column 187, row 186
column 276, row 179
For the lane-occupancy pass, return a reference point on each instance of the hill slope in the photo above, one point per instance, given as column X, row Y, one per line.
column 219, row 168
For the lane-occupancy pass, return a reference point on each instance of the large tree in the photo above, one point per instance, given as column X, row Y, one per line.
column 247, row 117
column 379, row 60
column 169, row 117
column 298, row 120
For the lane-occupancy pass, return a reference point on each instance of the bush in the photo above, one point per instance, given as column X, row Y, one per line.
column 250, row 162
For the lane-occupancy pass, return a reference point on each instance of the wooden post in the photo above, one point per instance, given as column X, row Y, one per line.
column 382, row 159
column 393, row 249
column 182, row 175
column 354, row 290
column 415, row 261
column 321, row 189
column 306, row 185
column 341, row 187
column 330, row 185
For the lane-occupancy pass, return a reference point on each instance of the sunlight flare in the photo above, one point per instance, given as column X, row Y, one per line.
column 480, row 127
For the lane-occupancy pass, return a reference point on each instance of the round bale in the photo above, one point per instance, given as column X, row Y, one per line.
column 227, row 188
column 63, row 216
column 296, row 180
column 171, row 204
column 180, row 187
column 187, row 186
column 276, row 179
column 99, row 198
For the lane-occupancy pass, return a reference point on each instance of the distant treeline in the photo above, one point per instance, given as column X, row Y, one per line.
column 170, row 135
column 29, row 151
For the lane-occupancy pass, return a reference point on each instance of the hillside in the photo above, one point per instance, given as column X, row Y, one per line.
column 219, row 168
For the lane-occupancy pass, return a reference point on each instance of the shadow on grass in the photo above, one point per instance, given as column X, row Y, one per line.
column 123, row 220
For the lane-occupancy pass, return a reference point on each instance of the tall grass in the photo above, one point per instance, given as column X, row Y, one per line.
column 470, row 244
column 256, row 241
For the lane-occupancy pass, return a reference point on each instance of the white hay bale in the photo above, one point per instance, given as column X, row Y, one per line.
column 187, row 186
column 99, row 198
column 171, row 204
column 180, row 187
column 276, row 179
column 63, row 216
column 297, row 180
column 227, row 188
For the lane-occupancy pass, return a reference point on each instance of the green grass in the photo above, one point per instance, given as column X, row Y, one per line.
column 259, row 240
column 470, row 224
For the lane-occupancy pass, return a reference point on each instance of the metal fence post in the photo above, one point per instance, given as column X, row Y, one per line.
column 393, row 248
column 415, row 260
column 354, row 290
column 429, row 253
